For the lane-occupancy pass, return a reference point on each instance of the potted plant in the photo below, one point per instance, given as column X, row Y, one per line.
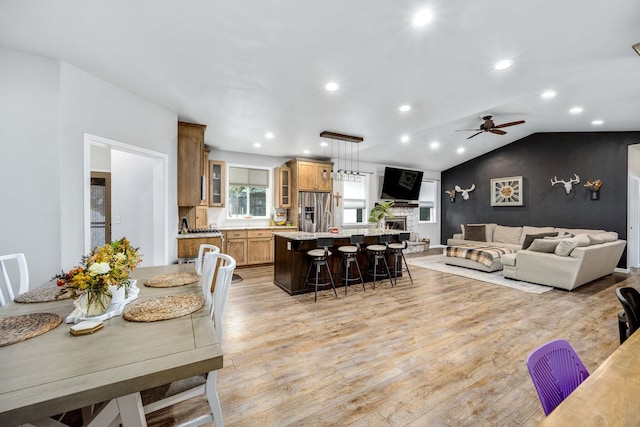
column 380, row 211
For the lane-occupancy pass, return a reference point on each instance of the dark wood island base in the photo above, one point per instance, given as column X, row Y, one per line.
column 291, row 261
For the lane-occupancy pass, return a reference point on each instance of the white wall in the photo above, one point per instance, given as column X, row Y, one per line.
column 45, row 108
column 30, row 161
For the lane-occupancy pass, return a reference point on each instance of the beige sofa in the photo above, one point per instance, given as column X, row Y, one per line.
column 570, row 259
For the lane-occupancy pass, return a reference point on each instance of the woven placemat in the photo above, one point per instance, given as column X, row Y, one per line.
column 48, row 294
column 164, row 308
column 19, row 328
column 170, row 280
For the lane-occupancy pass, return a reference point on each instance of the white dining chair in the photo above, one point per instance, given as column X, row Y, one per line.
column 204, row 248
column 7, row 292
column 219, row 267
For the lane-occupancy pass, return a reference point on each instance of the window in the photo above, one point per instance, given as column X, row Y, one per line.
column 354, row 203
column 427, row 201
column 248, row 190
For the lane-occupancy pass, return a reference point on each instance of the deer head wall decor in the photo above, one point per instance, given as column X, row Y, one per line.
column 465, row 193
column 568, row 185
column 452, row 195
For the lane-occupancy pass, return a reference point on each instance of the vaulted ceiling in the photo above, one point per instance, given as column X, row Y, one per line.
column 250, row 67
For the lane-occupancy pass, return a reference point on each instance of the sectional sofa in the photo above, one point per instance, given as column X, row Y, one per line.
column 559, row 257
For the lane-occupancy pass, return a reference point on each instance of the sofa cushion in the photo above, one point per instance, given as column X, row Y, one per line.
column 542, row 245
column 529, row 238
column 582, row 240
column 609, row 236
column 565, row 247
column 526, row 230
column 508, row 259
column 577, row 231
column 595, row 239
column 488, row 230
column 477, row 233
column 504, row 234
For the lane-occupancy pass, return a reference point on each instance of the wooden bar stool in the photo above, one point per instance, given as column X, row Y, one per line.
column 397, row 251
column 350, row 257
column 378, row 259
column 320, row 257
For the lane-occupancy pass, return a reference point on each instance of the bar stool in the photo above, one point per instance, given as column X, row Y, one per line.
column 349, row 257
column 320, row 257
column 397, row 250
column 378, row 259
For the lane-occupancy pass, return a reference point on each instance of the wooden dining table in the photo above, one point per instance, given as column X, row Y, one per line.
column 609, row 396
column 56, row 372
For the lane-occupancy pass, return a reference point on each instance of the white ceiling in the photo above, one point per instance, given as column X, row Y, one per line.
column 247, row 67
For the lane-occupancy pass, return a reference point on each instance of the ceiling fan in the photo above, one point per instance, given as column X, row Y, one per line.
column 489, row 126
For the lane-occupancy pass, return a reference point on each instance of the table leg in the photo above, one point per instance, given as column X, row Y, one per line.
column 131, row 410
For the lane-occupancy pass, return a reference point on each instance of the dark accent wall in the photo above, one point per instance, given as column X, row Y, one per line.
column 538, row 158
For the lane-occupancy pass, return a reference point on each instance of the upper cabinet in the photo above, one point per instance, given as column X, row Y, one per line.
column 311, row 176
column 217, row 183
column 191, row 154
column 282, row 187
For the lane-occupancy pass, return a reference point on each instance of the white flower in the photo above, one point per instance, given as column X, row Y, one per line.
column 120, row 256
column 99, row 268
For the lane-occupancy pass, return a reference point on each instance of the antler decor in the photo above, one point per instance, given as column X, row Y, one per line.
column 568, row 185
column 452, row 195
column 465, row 193
column 594, row 185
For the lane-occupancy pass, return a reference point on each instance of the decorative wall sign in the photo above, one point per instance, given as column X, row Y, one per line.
column 506, row 191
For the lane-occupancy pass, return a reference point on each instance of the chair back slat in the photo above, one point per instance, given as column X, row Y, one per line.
column 218, row 267
column 204, row 247
column 7, row 292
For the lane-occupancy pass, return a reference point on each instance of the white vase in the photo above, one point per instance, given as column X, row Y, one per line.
column 94, row 304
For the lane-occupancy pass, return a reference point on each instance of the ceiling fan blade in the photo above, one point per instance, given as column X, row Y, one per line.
column 497, row 131
column 475, row 134
column 504, row 125
column 467, row 130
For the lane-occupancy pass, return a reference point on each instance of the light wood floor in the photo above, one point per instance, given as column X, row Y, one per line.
column 447, row 351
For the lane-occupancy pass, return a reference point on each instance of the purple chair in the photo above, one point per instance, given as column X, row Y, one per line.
column 556, row 370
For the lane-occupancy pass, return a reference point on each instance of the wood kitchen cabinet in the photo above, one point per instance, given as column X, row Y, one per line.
column 282, row 180
column 217, row 183
column 188, row 247
column 192, row 174
column 236, row 245
column 259, row 246
column 311, row 176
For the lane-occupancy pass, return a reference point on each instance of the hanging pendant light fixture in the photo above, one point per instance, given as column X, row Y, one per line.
column 342, row 174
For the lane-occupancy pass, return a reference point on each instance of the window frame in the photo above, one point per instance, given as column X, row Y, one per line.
column 365, row 212
column 434, row 208
column 268, row 192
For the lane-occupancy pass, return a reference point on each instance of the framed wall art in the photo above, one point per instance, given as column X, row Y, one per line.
column 506, row 191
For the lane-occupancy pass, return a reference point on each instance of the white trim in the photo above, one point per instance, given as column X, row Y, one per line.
column 161, row 192
column 622, row 270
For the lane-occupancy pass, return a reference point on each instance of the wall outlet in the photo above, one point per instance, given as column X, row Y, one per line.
column 116, row 219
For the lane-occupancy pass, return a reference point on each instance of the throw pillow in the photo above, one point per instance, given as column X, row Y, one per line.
column 541, row 245
column 565, row 247
column 475, row 232
column 505, row 234
column 529, row 238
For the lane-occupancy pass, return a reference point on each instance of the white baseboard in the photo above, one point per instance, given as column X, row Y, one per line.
column 622, row 270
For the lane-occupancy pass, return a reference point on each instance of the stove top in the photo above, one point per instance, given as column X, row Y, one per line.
column 202, row 230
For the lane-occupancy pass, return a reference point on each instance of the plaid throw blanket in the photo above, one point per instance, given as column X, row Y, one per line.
column 485, row 255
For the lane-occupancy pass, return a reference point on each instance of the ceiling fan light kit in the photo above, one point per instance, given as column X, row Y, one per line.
column 490, row 126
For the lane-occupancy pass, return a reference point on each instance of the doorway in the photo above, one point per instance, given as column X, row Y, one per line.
column 138, row 199
column 100, row 208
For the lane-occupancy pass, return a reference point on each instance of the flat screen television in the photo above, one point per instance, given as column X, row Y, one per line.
column 401, row 184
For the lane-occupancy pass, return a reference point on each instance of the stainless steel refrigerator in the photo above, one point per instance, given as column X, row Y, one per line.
column 315, row 212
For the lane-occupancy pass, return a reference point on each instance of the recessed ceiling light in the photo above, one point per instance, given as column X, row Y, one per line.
column 422, row 18
column 268, row 135
column 405, row 138
column 434, row 145
column 257, row 144
column 597, row 122
column 503, row 65
column 548, row 94
column 306, row 151
column 332, row 86
column 576, row 110
column 323, row 144
column 405, row 108
column 460, row 150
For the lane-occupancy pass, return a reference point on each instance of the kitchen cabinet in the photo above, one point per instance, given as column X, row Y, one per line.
column 236, row 245
column 192, row 176
column 188, row 247
column 217, row 183
column 312, row 176
column 206, row 177
column 282, row 180
column 259, row 246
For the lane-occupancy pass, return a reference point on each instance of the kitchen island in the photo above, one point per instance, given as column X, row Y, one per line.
column 291, row 261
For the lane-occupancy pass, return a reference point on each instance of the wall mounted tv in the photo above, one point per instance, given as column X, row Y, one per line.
column 401, row 184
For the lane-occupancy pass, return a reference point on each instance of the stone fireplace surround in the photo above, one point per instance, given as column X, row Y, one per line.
column 411, row 217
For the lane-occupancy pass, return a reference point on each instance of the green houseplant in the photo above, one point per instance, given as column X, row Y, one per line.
column 380, row 211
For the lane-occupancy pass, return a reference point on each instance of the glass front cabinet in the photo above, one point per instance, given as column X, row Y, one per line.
column 283, row 187
column 217, row 172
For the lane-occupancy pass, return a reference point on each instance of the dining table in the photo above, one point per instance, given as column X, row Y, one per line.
column 57, row 372
column 609, row 396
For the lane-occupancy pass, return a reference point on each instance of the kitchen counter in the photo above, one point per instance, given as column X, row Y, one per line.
column 199, row 235
column 291, row 261
column 254, row 227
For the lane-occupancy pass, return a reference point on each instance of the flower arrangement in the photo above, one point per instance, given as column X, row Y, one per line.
column 594, row 185
column 105, row 266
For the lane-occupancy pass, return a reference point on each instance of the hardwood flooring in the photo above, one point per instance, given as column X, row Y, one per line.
column 445, row 351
